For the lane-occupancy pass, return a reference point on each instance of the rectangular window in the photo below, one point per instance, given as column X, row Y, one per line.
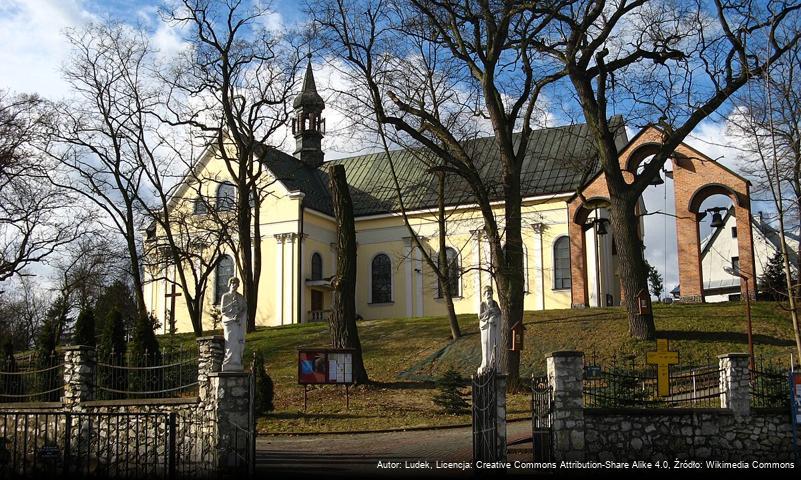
column 735, row 263
column 733, row 232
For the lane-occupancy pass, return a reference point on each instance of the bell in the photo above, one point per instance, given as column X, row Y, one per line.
column 717, row 220
column 600, row 227
column 657, row 180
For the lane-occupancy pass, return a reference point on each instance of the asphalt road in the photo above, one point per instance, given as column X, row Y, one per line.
column 395, row 454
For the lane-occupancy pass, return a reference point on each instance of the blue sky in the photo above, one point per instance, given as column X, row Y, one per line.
column 31, row 32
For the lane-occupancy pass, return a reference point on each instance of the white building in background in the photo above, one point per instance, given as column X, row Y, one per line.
column 719, row 250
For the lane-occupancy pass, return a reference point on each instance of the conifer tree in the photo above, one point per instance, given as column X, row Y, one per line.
column 84, row 333
column 112, row 335
column 774, row 285
column 449, row 398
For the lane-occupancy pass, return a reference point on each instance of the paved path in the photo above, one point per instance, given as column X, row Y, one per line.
column 360, row 454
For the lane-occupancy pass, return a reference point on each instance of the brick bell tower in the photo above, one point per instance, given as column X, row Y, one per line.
column 308, row 126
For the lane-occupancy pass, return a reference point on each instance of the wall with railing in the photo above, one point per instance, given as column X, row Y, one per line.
column 170, row 411
column 724, row 412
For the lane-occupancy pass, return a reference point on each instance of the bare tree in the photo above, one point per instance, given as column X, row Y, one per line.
column 669, row 64
column 22, row 310
column 486, row 67
column 769, row 123
column 96, row 139
column 86, row 266
column 233, row 86
column 35, row 217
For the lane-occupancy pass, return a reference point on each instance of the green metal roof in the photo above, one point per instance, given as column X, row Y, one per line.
column 555, row 163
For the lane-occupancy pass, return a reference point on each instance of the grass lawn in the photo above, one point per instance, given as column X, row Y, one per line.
column 404, row 356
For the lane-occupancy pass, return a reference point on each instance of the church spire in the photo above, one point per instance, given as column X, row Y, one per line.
column 308, row 126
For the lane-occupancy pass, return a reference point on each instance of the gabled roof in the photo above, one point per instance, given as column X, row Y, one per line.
column 556, row 162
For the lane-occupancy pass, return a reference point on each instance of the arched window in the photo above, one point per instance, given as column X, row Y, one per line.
column 561, row 263
column 381, row 279
column 316, row 266
column 226, row 197
column 224, row 271
column 454, row 273
column 200, row 206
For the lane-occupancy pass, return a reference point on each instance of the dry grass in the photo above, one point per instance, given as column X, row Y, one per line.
column 404, row 357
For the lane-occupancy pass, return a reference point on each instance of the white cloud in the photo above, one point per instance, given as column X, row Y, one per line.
column 31, row 32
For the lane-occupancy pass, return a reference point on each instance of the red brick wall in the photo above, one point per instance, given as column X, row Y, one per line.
column 695, row 177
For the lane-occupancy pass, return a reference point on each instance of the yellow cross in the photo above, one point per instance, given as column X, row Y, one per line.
column 663, row 358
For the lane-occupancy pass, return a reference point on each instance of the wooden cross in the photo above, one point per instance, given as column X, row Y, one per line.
column 172, row 296
column 663, row 358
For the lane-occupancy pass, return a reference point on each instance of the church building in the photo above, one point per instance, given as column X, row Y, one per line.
column 563, row 238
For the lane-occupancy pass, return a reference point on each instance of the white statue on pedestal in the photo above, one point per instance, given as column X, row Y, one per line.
column 489, row 320
column 234, row 318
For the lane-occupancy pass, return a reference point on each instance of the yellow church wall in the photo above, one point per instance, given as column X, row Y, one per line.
column 414, row 286
column 388, row 232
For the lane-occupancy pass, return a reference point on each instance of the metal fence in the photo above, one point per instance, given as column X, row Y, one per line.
column 626, row 384
column 171, row 374
column 107, row 445
column 32, row 378
column 769, row 386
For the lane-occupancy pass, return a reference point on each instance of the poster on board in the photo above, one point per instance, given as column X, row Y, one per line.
column 325, row 366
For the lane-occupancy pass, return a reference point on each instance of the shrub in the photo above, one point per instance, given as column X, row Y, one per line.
column 450, row 398
column 265, row 391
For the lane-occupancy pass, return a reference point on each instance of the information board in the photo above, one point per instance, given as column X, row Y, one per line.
column 325, row 366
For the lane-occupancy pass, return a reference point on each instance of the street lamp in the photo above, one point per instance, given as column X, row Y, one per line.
column 736, row 273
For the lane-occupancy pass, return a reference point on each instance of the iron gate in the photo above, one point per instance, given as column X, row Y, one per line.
column 101, row 445
column 485, row 425
column 541, row 409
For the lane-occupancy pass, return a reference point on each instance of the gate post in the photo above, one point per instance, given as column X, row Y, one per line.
column 566, row 378
column 79, row 375
column 735, row 383
column 210, row 351
column 230, row 402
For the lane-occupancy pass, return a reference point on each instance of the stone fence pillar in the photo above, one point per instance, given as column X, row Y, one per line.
column 210, row 356
column 230, row 402
column 79, row 373
column 566, row 378
column 735, row 383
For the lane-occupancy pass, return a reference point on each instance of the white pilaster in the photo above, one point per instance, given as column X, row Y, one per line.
column 279, row 279
column 537, row 259
column 302, row 274
column 291, row 301
column 477, row 265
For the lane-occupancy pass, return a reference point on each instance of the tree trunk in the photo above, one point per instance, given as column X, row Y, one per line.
column 508, row 263
column 633, row 271
column 342, row 322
